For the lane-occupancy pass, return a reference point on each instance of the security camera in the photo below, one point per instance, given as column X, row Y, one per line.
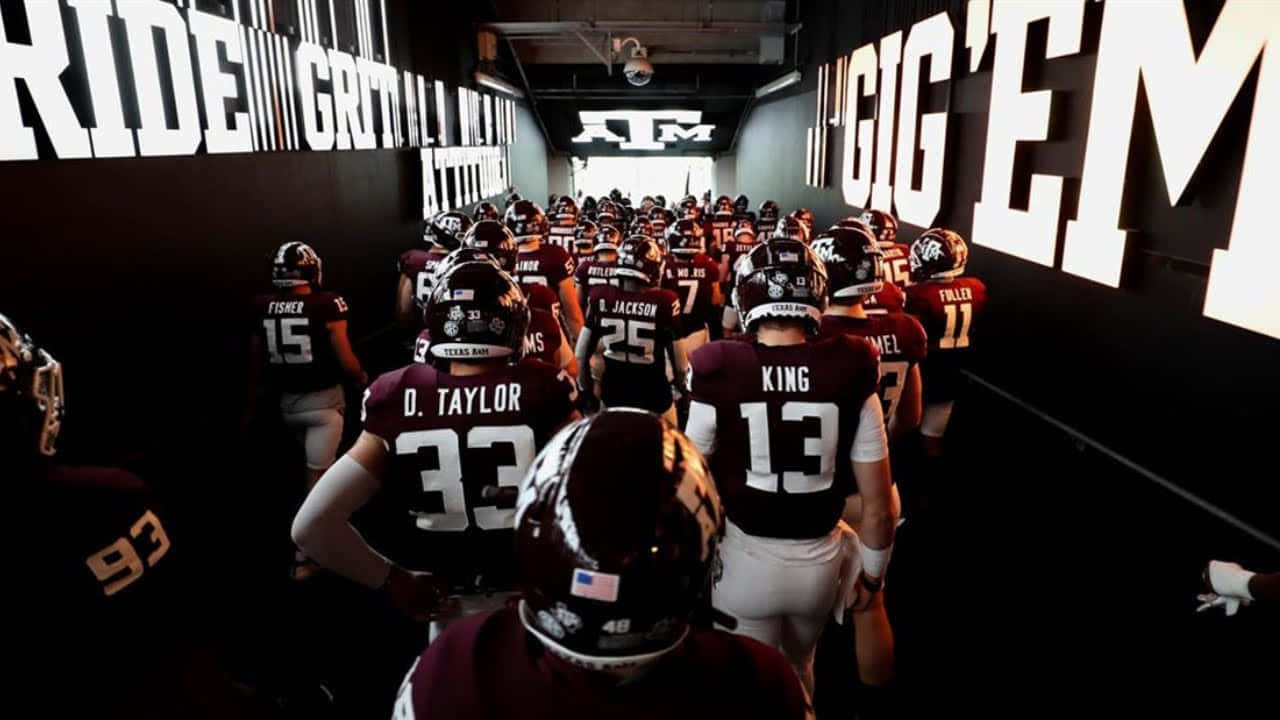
column 639, row 71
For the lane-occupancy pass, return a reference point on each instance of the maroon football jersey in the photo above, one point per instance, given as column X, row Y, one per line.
column 766, row 228
column 420, row 267
column 541, row 341
column 299, row 355
column 948, row 311
column 719, row 232
column 897, row 269
column 541, row 297
column 459, row 446
column 733, row 252
column 633, row 330
column 899, row 338
column 692, row 280
column 548, row 265
column 890, row 299
column 786, row 418
column 593, row 271
column 488, row 666
column 564, row 230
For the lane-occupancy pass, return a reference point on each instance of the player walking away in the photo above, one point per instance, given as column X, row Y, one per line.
column 615, row 565
column 300, row 351
column 792, row 429
column 695, row 279
column 884, row 227
column 744, row 239
column 601, row 267
column 544, row 340
column 634, row 324
column 767, row 223
column 448, row 447
column 742, row 211
column 564, row 223
column 539, row 264
column 947, row 304
column 417, row 266
column 855, row 272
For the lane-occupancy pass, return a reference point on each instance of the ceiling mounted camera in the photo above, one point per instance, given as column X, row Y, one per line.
column 638, row 70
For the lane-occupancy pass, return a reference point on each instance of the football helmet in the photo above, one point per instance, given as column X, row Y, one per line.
column 512, row 199
column 938, row 253
column 640, row 258
column 615, row 564
column 607, row 218
column 853, row 222
column 744, row 229
column 741, row 204
column 804, row 215
column 615, row 195
column 526, row 221
column 607, row 238
column 446, row 229
column 687, row 237
column 486, row 211
column 769, row 210
column 883, row 226
column 855, row 263
column 790, row 228
column 30, row 388
column 660, row 201
column 566, row 206
column 689, row 208
column 642, row 226
column 476, row 311
column 723, row 206
column 588, row 205
column 296, row 264
column 460, row 256
column 646, row 204
column 584, row 237
column 493, row 239
column 780, row 279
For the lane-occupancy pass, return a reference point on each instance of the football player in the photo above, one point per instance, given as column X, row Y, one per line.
column 539, row 264
column 486, row 211
column 719, row 227
column 108, row 578
column 885, row 229
column 855, row 272
column 792, row 430
column 448, row 447
column 660, row 219
column 600, row 267
column 495, row 240
column 301, row 350
column 744, row 239
column 589, row 207
column 417, row 266
column 790, row 228
column 660, row 201
column 544, row 340
column 948, row 305
column 615, row 568
column 634, row 325
column 804, row 215
column 768, row 219
column 512, row 199
column 642, row 226
column 689, row 208
column 742, row 211
column 695, row 279
column 564, row 223
column 584, row 241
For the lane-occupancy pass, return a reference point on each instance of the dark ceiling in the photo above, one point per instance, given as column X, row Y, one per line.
column 707, row 56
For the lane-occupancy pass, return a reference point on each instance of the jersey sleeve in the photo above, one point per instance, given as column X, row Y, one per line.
column 704, row 371
column 864, row 363
column 561, row 394
column 671, row 301
column 333, row 308
column 915, row 340
column 380, row 404
column 580, row 274
column 562, row 266
column 403, row 263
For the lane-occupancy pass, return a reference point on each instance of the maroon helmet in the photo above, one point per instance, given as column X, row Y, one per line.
column 486, row 211
column 723, row 206
column 883, row 226
column 642, row 226
column 615, row 564
column 296, row 264
column 32, row 401
column 641, row 259
column 938, row 253
column 689, row 208
column 780, row 279
column 769, row 210
column 526, row 221
column 495, row 240
column 804, row 215
column 476, row 312
column 687, row 237
column 608, row 238
column 790, row 228
column 855, row 264
column 584, row 237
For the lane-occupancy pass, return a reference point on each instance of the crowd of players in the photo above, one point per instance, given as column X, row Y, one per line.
column 618, row 429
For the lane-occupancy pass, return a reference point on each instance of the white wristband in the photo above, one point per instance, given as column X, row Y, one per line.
column 875, row 562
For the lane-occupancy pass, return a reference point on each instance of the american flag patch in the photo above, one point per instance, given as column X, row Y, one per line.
column 594, row 585
column 464, row 294
column 788, row 257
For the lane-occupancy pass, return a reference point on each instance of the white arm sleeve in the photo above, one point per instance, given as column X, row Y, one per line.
column 322, row 527
column 701, row 428
column 870, row 444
